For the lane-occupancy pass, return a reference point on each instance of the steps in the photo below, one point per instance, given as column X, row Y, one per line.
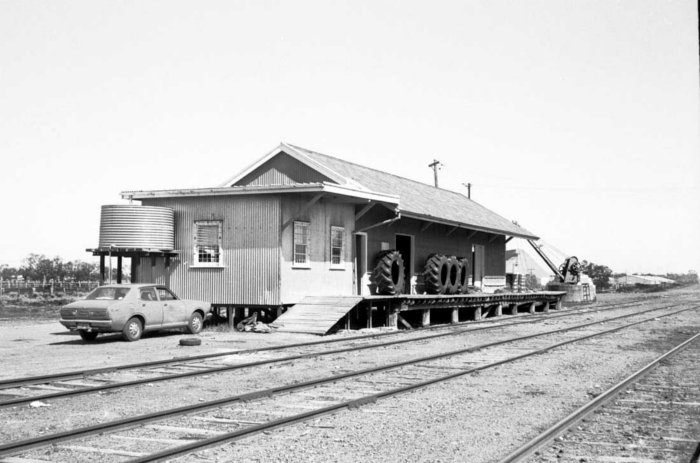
column 315, row 314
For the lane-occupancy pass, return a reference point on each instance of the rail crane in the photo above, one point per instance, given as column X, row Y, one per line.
column 569, row 272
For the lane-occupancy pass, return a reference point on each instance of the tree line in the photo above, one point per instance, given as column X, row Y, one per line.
column 38, row 267
column 601, row 275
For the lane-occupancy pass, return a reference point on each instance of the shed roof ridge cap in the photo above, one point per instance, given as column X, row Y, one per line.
column 382, row 171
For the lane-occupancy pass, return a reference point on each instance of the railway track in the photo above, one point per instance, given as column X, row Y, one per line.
column 652, row 415
column 212, row 423
column 10, row 383
column 20, row 391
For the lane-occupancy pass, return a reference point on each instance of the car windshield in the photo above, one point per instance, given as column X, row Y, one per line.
column 106, row 293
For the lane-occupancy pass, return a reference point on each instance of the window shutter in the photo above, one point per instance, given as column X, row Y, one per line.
column 207, row 235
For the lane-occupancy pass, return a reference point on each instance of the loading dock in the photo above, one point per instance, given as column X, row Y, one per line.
column 319, row 315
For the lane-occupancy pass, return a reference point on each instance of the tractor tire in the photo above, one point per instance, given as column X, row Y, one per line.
column 436, row 274
column 463, row 275
column 388, row 274
column 453, row 267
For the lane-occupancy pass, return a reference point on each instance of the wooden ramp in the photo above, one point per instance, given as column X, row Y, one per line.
column 315, row 314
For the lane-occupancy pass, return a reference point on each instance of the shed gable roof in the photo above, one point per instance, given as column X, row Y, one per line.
column 289, row 150
column 417, row 199
column 281, row 169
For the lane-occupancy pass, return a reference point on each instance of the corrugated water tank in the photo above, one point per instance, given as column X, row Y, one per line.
column 134, row 226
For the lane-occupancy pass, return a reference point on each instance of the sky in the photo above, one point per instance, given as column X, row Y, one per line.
column 578, row 119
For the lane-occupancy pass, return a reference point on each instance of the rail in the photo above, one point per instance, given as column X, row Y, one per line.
column 562, row 425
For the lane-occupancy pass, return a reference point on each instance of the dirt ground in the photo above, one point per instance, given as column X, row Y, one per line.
column 475, row 418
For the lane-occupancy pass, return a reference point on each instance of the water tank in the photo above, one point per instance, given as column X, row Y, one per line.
column 134, row 226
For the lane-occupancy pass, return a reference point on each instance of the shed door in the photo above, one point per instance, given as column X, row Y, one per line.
column 404, row 244
column 478, row 260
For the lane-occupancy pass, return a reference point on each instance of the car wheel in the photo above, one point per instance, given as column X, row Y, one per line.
column 194, row 326
column 132, row 330
column 87, row 335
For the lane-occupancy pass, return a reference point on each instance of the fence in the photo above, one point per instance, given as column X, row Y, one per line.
column 18, row 287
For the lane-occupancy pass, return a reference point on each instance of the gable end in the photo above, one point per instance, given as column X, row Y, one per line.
column 282, row 169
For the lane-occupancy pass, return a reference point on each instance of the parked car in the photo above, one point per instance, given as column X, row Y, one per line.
column 132, row 310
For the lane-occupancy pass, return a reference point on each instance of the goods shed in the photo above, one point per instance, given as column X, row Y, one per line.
column 297, row 223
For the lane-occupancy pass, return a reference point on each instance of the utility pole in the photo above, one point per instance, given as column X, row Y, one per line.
column 435, row 165
column 469, row 189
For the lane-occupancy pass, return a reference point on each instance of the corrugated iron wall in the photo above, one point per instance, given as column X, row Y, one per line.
column 251, row 250
column 319, row 278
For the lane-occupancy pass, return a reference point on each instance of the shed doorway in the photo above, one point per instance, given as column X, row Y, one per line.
column 478, row 261
column 404, row 244
column 360, row 261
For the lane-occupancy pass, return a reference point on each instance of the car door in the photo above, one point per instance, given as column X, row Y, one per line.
column 174, row 310
column 150, row 307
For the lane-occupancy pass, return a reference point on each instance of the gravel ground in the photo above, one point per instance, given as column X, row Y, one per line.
column 477, row 418
column 655, row 419
column 474, row 418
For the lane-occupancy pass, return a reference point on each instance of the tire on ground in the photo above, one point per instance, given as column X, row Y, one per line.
column 436, row 274
column 190, row 342
column 133, row 330
column 388, row 274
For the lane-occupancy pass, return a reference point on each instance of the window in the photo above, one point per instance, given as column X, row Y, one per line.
column 207, row 243
column 337, row 246
column 105, row 293
column 148, row 294
column 301, row 244
column 165, row 295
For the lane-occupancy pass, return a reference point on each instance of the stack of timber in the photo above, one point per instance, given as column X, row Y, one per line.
column 316, row 314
